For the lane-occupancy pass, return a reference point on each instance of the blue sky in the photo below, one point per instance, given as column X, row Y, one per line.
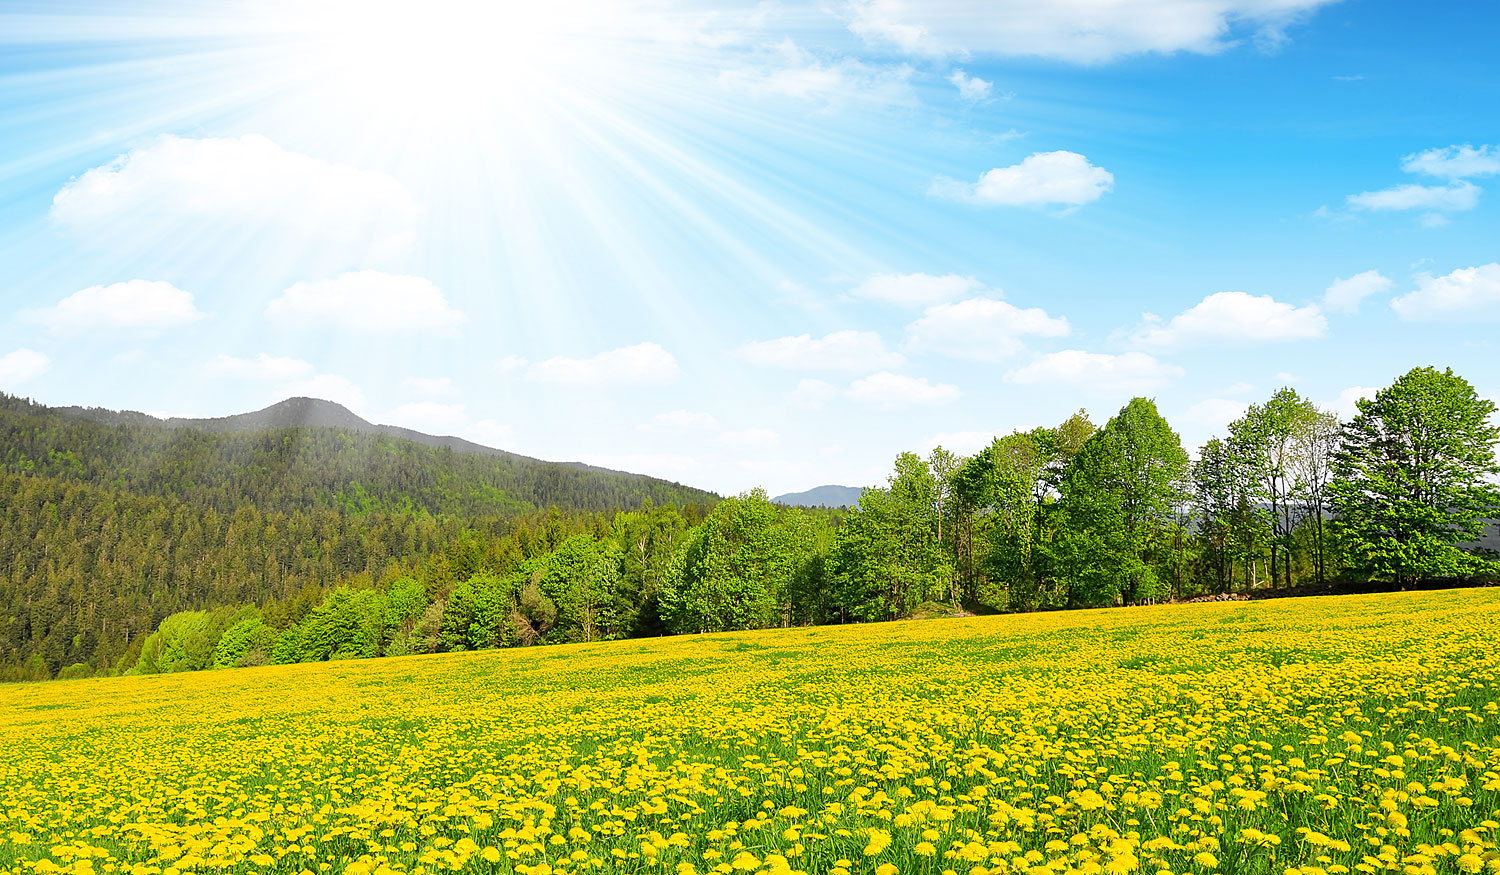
column 745, row 244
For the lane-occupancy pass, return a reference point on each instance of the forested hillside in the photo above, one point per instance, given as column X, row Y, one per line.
column 148, row 574
column 303, row 468
column 108, row 527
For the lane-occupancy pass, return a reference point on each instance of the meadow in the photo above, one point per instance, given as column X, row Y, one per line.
column 1339, row 734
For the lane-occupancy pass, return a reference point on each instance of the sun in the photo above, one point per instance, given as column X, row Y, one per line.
column 442, row 58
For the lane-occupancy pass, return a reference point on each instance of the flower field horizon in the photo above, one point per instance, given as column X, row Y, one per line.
column 1331, row 734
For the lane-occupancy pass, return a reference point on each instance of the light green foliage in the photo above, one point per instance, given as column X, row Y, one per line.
column 248, row 642
column 888, row 556
column 736, row 569
column 1119, row 497
column 1265, row 442
column 1411, row 479
column 349, row 624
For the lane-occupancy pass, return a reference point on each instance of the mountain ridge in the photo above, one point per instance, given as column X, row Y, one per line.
column 305, row 412
column 823, row 496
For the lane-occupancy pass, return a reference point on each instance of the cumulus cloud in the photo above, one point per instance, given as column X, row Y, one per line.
column 811, row 394
column 643, row 364
column 680, row 420
column 915, row 289
column 1453, row 197
column 367, row 301
column 261, row 368
column 1078, row 31
column 1468, row 294
column 1233, row 317
column 240, row 188
column 1128, row 372
column 510, row 364
column 22, row 365
column 891, row 391
column 970, row 87
column 430, row 387
column 839, row 351
column 1345, row 295
column 787, row 70
column 981, row 329
column 1455, row 162
column 1042, row 179
column 137, row 305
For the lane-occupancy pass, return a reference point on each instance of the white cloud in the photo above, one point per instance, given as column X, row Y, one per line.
column 915, row 289
column 261, row 368
column 811, row 394
column 510, row 364
column 1344, row 405
column 639, row 365
column 430, row 387
column 970, row 87
column 1129, row 372
column 1233, row 317
column 890, row 391
column 1455, row 162
column 787, row 70
column 1454, row 196
column 1042, row 178
column 330, row 387
column 1215, row 414
column 680, row 420
column 1345, row 295
column 137, row 305
column 839, row 351
column 1468, row 294
column 750, row 439
column 1080, row 31
column 431, row 417
column 981, row 329
column 245, row 188
column 367, row 301
column 21, row 365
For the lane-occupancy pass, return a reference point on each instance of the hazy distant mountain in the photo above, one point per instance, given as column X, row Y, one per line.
column 300, row 413
column 305, row 454
column 823, row 496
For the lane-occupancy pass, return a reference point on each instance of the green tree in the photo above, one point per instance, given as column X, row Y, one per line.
column 1119, row 497
column 1267, row 439
column 1411, row 479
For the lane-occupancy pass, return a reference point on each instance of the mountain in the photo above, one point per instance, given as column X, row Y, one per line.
column 112, row 520
column 823, row 496
column 304, row 454
column 304, row 413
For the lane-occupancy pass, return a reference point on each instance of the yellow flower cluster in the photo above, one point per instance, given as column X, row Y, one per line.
column 1350, row 734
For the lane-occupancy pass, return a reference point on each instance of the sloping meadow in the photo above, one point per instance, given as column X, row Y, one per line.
column 1312, row 735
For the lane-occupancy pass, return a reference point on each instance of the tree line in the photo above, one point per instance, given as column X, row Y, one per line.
column 1076, row 515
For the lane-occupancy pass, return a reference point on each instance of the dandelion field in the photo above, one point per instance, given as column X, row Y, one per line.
column 1299, row 735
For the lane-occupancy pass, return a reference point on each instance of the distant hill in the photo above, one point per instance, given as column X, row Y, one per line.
column 303, row 413
column 112, row 520
column 304, row 454
column 823, row 496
